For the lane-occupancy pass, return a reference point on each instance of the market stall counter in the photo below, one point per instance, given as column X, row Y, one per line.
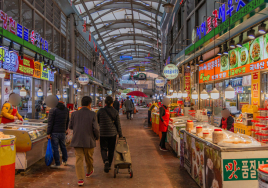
column 212, row 165
column 31, row 141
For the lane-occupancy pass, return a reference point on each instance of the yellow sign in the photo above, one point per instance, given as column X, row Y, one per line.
column 138, row 68
column 255, row 88
column 37, row 70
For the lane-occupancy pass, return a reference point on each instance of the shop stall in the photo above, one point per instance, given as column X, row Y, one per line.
column 230, row 163
column 31, row 141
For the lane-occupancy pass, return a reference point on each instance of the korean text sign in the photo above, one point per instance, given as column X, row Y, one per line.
column 251, row 57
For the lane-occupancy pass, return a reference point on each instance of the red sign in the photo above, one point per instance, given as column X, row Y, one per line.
column 26, row 66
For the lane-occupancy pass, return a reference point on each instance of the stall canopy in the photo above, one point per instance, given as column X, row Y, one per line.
column 137, row 94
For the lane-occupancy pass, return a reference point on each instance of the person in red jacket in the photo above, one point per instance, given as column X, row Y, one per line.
column 163, row 123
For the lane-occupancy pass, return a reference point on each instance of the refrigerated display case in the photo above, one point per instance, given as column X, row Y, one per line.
column 31, row 141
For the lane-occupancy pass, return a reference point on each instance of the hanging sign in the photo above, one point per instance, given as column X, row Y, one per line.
column 26, row 66
column 44, row 73
column 9, row 61
column 160, row 81
column 37, row 70
column 51, row 76
column 88, row 71
column 171, row 71
column 83, row 79
column 255, row 87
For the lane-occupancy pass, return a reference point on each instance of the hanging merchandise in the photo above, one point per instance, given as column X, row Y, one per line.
column 184, row 94
column 40, row 92
column 70, row 82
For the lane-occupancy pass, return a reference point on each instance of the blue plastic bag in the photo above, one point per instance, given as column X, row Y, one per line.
column 49, row 153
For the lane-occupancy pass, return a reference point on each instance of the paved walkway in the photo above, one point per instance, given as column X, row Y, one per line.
column 152, row 168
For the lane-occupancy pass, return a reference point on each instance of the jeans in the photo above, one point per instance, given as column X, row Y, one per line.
column 163, row 140
column 56, row 140
column 129, row 112
column 107, row 145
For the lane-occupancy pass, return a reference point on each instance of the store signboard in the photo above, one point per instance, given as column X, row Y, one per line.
column 83, row 79
column 9, row 61
column 160, row 81
column 44, row 73
column 22, row 32
column 187, row 86
column 242, row 169
column 171, row 71
column 88, row 71
column 256, row 88
column 51, row 76
column 37, row 69
column 26, row 66
column 253, row 56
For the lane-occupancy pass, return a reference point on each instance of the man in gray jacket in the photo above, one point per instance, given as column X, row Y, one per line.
column 129, row 107
column 85, row 133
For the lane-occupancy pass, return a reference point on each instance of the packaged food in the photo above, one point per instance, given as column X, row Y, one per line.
column 198, row 130
column 2, row 135
column 189, row 125
column 217, row 136
column 205, row 135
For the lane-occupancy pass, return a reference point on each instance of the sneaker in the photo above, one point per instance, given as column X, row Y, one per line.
column 80, row 182
column 55, row 166
column 163, row 149
column 64, row 163
column 106, row 167
column 110, row 168
column 89, row 174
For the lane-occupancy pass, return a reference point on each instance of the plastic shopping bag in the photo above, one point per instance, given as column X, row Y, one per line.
column 49, row 153
column 131, row 116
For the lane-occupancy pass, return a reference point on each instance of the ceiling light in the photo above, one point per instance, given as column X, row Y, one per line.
column 49, row 92
column 188, row 65
column 174, row 94
column 40, row 92
column 2, row 73
column 70, row 82
column 23, row 92
column 184, row 94
column 232, row 44
column 65, row 95
column 225, row 50
column 58, row 94
column 171, row 90
column 239, row 44
column 262, row 28
column 201, row 59
column 220, row 51
column 215, row 94
column 194, row 95
column 179, row 94
column 251, row 34
column 229, row 92
column 204, row 94
column 168, row 7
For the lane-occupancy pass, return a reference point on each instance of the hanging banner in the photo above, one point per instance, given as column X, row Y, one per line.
column 37, row 70
column 44, row 73
column 252, row 56
column 160, row 81
column 255, row 87
column 171, row 71
column 51, row 76
column 187, row 86
column 9, row 61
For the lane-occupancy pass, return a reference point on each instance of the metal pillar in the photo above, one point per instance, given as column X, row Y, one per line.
column 33, row 98
column 72, row 50
column 103, row 93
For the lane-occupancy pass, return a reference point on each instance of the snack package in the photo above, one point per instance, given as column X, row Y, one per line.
column 2, row 135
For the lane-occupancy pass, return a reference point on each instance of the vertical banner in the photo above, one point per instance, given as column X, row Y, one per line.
column 187, row 86
column 255, row 88
column 37, row 70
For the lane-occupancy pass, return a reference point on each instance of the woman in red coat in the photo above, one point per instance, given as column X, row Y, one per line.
column 163, row 122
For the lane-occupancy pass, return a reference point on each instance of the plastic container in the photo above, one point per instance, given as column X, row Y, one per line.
column 264, row 130
column 189, row 125
column 217, row 136
column 199, row 130
column 205, row 135
column 263, row 176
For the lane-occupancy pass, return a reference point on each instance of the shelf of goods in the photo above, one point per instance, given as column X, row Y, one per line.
column 31, row 141
column 231, row 163
column 7, row 160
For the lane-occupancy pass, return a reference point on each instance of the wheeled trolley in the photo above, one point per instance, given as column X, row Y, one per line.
column 122, row 159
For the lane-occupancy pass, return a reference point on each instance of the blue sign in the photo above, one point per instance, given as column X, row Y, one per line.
column 19, row 30
column 126, row 58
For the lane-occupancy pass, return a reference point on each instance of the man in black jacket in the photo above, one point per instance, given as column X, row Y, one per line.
column 58, row 121
column 109, row 122
column 116, row 104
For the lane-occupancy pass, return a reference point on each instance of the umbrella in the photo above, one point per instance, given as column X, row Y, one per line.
column 137, row 93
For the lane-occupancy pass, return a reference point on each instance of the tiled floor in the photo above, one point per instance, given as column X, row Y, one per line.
column 152, row 168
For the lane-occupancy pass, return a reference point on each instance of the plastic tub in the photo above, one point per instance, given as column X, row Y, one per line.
column 263, row 176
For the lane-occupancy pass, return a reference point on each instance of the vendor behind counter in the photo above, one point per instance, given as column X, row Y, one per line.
column 227, row 121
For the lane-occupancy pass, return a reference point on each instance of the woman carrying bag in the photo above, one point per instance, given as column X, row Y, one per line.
column 109, row 122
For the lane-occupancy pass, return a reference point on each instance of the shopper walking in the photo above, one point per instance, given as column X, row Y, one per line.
column 116, row 104
column 85, row 133
column 109, row 121
column 129, row 107
column 58, row 121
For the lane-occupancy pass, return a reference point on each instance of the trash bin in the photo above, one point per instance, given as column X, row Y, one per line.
column 7, row 162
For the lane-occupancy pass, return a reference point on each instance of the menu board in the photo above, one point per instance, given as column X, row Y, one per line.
column 252, row 56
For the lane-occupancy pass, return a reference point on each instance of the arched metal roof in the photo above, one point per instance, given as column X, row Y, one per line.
column 125, row 27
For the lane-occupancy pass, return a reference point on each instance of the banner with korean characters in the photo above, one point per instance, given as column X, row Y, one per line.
column 256, row 88
column 251, row 57
column 198, row 170
column 187, row 153
column 44, row 73
column 37, row 69
column 26, row 66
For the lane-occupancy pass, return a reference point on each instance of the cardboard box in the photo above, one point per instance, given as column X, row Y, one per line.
column 247, row 121
column 247, row 115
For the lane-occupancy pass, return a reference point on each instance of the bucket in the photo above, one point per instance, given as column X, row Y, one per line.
column 7, row 162
column 263, row 176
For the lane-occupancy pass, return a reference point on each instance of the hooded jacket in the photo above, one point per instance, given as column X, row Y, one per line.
column 58, row 119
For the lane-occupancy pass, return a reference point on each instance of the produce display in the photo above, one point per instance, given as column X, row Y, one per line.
column 2, row 135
